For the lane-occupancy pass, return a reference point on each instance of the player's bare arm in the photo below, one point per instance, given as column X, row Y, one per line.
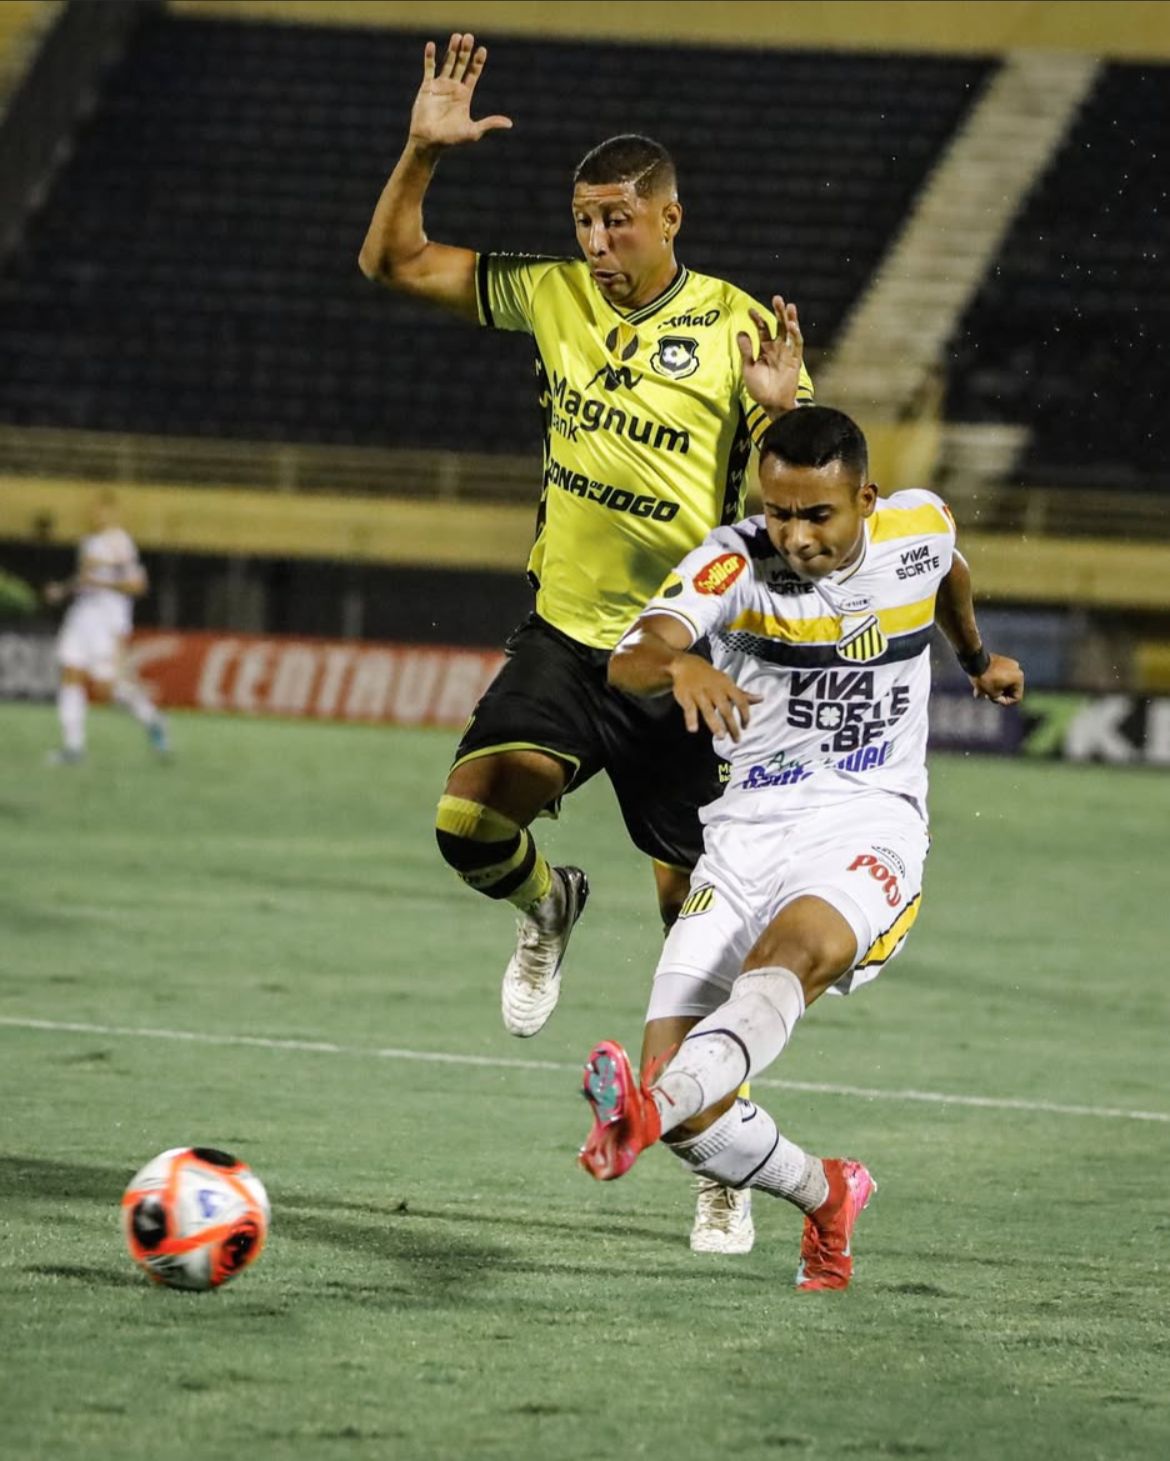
column 993, row 676
column 654, row 657
column 396, row 251
column 133, row 584
column 772, row 373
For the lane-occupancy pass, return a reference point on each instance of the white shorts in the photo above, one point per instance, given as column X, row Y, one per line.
column 90, row 642
column 864, row 856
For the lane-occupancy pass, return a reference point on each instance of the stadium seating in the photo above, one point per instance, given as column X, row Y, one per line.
column 194, row 268
column 1068, row 333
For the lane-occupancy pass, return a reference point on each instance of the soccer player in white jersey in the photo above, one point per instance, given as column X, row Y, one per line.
column 819, row 617
column 91, row 647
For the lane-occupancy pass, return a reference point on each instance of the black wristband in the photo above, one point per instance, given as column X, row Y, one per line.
column 974, row 662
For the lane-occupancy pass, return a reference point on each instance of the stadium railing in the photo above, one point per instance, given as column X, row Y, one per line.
column 348, row 471
column 460, row 476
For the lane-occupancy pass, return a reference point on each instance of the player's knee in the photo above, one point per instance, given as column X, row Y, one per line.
column 810, row 938
column 490, row 852
column 775, row 992
column 516, row 784
column 696, row 1125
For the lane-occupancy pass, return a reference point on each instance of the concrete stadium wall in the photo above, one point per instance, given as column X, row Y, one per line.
column 1116, row 574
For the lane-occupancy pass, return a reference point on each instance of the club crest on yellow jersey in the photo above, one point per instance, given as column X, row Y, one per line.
column 677, row 356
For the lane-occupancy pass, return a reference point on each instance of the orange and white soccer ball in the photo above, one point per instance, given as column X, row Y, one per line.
column 195, row 1217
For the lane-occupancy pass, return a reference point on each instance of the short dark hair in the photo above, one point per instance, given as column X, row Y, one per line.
column 630, row 158
column 814, row 436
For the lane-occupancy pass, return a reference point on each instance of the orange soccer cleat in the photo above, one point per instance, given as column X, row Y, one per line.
column 625, row 1118
column 826, row 1261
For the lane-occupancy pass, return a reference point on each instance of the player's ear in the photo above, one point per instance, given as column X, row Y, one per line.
column 868, row 496
column 671, row 219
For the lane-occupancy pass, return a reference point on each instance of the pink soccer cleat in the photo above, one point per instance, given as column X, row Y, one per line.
column 826, row 1261
column 625, row 1118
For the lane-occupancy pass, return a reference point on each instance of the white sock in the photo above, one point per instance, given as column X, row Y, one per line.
column 744, row 1149
column 737, row 1040
column 132, row 697
column 72, row 704
column 795, row 1174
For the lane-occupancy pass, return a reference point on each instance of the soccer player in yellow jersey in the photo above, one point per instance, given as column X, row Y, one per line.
column 654, row 383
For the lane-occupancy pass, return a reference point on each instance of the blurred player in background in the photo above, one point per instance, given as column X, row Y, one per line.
column 654, row 383
column 811, row 874
column 91, row 647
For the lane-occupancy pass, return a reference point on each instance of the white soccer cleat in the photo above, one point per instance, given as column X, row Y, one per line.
column 532, row 980
column 723, row 1219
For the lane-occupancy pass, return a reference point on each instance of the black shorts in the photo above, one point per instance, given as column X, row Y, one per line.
column 551, row 695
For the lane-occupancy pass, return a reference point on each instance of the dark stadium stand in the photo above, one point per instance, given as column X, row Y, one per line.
column 193, row 270
column 1069, row 332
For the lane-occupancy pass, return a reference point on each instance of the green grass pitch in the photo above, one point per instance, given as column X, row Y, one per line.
column 441, row 1281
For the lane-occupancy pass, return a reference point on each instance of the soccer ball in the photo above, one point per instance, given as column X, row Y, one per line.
column 195, row 1217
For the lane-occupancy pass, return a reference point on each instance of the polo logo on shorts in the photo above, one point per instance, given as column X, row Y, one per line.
column 887, row 854
column 720, row 573
column 698, row 900
column 880, row 874
column 861, row 638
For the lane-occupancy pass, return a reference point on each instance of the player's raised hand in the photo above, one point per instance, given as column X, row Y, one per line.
column 772, row 375
column 708, row 694
column 1002, row 681
column 441, row 116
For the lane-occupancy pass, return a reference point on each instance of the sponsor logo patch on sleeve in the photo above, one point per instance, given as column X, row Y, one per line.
column 718, row 575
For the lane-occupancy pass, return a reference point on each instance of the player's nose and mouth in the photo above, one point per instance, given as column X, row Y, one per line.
column 814, row 516
column 596, row 211
column 801, row 543
column 602, row 263
column 806, row 556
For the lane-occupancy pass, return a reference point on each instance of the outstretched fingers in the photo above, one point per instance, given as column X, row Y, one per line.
column 429, row 61
column 788, row 321
column 451, row 59
column 475, row 67
column 763, row 325
column 464, row 57
column 491, row 124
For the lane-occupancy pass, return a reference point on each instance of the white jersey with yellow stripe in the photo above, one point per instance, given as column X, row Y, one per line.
column 841, row 665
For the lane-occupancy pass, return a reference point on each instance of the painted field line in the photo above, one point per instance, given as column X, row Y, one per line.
column 502, row 1062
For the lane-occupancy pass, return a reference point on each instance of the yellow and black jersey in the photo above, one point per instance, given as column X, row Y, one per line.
column 648, row 430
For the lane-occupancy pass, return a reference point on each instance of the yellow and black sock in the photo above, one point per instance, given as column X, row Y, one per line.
column 491, row 853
